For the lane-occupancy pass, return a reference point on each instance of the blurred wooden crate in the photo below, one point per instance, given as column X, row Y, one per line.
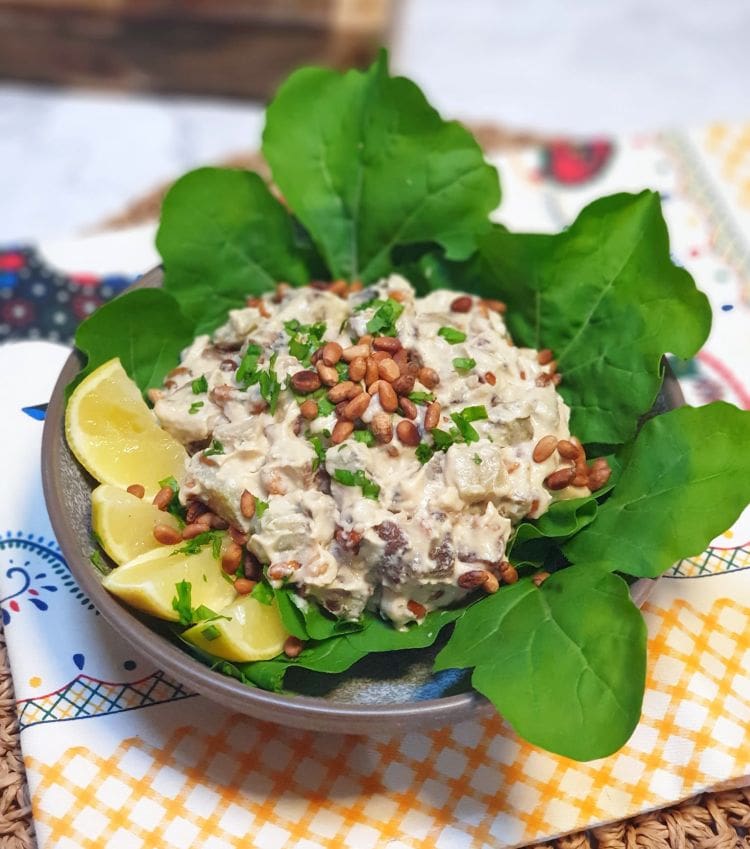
column 238, row 48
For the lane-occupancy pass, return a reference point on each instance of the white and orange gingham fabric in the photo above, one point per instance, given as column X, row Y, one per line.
column 119, row 756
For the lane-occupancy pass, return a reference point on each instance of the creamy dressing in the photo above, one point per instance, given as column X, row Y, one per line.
column 431, row 522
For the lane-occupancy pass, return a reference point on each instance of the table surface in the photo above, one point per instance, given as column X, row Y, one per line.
column 69, row 159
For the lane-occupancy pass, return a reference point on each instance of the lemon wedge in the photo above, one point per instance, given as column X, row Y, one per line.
column 251, row 631
column 115, row 436
column 124, row 524
column 148, row 582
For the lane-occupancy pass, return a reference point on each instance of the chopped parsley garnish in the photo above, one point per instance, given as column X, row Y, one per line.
column 477, row 459
column 320, row 451
column 451, row 335
column 260, row 508
column 443, row 440
column 343, row 370
column 383, row 323
column 248, row 366
column 462, row 421
column 364, row 436
column 348, row 478
column 194, row 545
column 211, row 632
column 182, row 602
column 424, row 452
column 98, row 562
column 216, row 448
column 194, row 407
column 200, row 385
column 421, row 397
column 464, row 363
column 174, row 507
column 269, row 385
column 369, row 303
column 303, row 338
column 325, row 407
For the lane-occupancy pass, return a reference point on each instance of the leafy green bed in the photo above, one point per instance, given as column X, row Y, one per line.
column 374, row 181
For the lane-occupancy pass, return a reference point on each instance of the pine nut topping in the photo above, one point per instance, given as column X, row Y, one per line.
column 540, row 578
column 508, row 573
column 137, row 490
column 404, row 384
column 342, row 431
column 495, row 306
column 419, row 610
column 243, row 586
column 231, row 558
column 166, row 534
column 356, row 407
column 567, row 450
column 490, row 378
column 332, row 352
column 381, row 428
column 371, row 371
column 193, row 530
column 461, row 304
column 163, row 497
column 283, row 569
column 388, row 370
column 544, row 356
column 247, row 504
column 309, row 409
column 407, row 433
column 560, row 479
column 409, row 407
column 432, row 415
column 428, row 377
column 305, row 381
column 544, row 448
column 386, row 343
column 238, row 536
column 354, row 351
column 343, row 391
column 357, row 368
column 293, row 646
column 388, row 397
column 328, row 374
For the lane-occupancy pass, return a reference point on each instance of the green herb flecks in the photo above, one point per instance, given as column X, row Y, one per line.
column 182, row 602
column 477, row 460
column 424, row 452
column 451, row 335
column 200, row 385
column 210, row 633
column 464, row 363
column 462, row 421
column 216, row 448
column 174, row 507
column 318, row 448
column 197, row 543
column 421, row 397
column 194, row 407
column 365, row 437
column 248, row 366
column 349, row 478
column 303, row 338
column 383, row 323
column 260, row 507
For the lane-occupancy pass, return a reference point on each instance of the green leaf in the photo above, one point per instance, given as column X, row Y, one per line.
column 367, row 164
column 605, row 296
column 145, row 328
column 349, row 478
column 182, row 602
column 383, row 323
column 263, row 592
column 216, row 448
column 196, row 544
column 533, row 542
column 224, row 236
column 422, row 397
column 199, row 385
column 464, row 363
column 686, row 480
column 451, row 335
column 564, row 663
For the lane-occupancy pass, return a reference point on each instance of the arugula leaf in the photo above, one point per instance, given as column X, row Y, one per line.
column 605, row 296
column 367, row 164
column 145, row 328
column 570, row 683
column 690, row 466
column 349, row 478
column 451, row 335
column 224, row 236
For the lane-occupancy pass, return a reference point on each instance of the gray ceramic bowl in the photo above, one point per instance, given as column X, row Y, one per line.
column 382, row 693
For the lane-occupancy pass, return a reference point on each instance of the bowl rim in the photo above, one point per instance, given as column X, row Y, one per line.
column 308, row 712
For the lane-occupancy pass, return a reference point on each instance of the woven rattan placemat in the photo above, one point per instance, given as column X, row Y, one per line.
column 710, row 821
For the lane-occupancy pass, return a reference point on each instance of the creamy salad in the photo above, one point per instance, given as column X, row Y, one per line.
column 371, row 447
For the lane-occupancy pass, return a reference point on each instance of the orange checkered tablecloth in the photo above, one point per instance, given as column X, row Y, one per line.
column 119, row 756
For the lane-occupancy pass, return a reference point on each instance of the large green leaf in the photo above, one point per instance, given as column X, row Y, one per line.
column 686, row 480
column 565, row 663
column 145, row 328
column 534, row 541
column 367, row 165
column 604, row 295
column 224, row 236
